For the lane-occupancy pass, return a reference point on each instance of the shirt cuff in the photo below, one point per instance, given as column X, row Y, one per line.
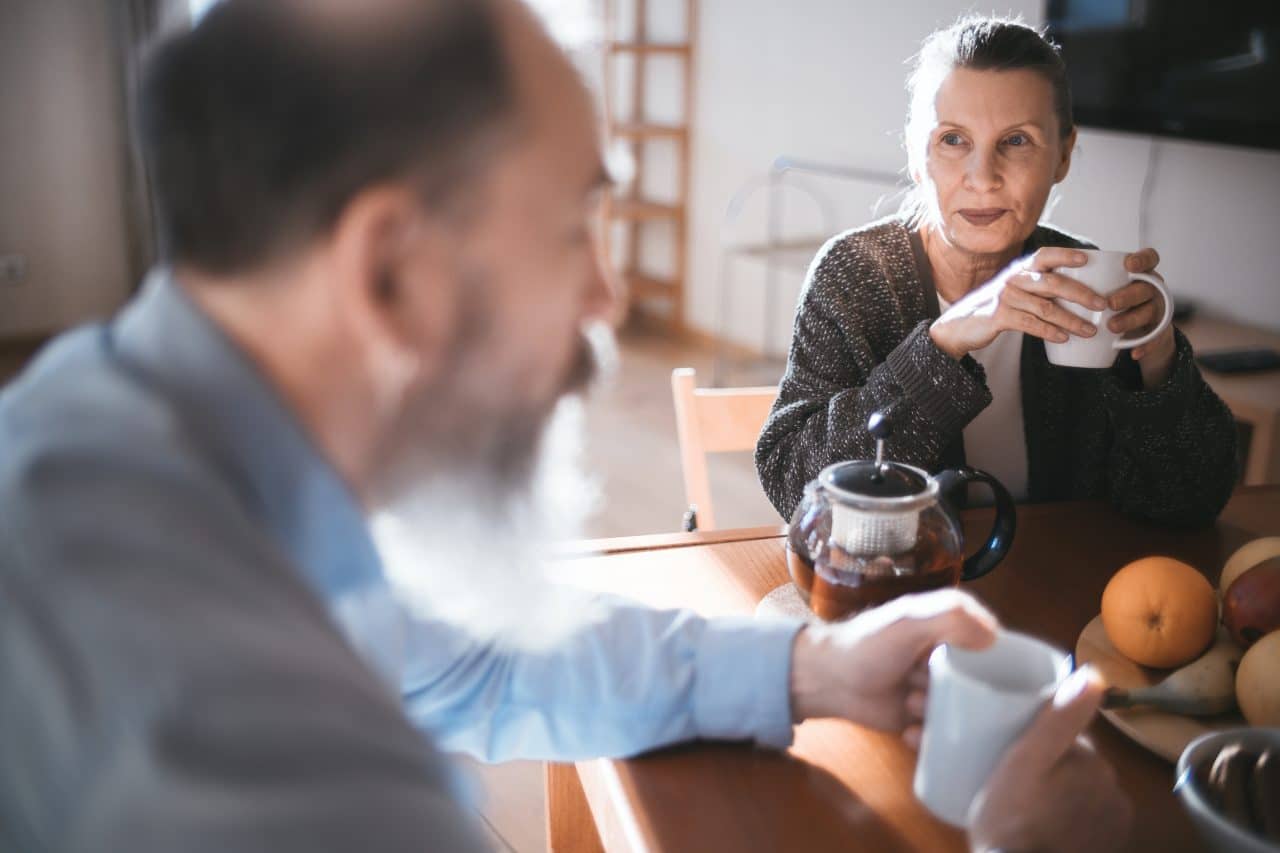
column 743, row 687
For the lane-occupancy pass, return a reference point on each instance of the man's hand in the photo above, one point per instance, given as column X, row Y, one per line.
column 1051, row 791
column 873, row 669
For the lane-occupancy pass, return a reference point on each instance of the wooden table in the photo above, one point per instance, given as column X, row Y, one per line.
column 1252, row 397
column 841, row 787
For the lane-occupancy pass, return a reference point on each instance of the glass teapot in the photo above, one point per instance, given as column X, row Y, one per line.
column 868, row 531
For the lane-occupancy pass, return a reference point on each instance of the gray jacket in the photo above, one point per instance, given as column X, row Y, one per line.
column 169, row 678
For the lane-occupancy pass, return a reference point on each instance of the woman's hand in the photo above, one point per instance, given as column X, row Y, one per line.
column 1021, row 299
column 1141, row 306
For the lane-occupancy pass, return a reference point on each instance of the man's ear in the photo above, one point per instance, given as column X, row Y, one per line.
column 1068, row 148
column 394, row 282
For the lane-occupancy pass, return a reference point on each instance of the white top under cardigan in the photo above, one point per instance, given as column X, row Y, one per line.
column 994, row 441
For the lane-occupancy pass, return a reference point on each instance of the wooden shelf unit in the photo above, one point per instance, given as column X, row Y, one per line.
column 634, row 210
column 629, row 206
column 644, row 131
column 635, row 47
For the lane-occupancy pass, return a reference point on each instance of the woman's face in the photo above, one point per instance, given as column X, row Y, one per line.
column 993, row 153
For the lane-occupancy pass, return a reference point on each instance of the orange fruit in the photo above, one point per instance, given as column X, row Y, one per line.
column 1159, row 612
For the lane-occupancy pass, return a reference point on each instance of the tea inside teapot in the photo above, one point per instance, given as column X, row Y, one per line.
column 837, row 582
column 869, row 531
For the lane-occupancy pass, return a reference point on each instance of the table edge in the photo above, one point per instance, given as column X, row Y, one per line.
column 621, row 827
column 661, row 541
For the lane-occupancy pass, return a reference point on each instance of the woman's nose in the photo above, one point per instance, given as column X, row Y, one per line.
column 982, row 172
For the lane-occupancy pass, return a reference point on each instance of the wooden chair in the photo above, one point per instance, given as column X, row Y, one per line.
column 713, row 420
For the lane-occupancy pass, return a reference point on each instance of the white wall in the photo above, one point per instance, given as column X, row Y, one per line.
column 61, row 165
column 823, row 79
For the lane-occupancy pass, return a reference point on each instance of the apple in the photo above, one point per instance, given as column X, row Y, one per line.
column 1246, row 557
column 1251, row 607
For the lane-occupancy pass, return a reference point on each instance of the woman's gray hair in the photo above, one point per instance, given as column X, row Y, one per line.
column 980, row 44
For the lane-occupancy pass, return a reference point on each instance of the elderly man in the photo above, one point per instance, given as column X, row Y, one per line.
column 377, row 227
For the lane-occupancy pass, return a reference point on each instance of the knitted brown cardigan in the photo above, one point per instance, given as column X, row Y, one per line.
column 862, row 344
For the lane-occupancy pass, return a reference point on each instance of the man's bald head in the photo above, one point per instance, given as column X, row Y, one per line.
column 264, row 122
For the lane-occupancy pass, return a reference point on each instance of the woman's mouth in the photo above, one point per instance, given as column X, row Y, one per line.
column 982, row 215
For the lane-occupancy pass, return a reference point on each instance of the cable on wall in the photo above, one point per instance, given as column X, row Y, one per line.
column 1144, row 196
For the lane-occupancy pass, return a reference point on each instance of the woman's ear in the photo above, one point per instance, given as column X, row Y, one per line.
column 395, row 288
column 1064, row 165
column 915, row 163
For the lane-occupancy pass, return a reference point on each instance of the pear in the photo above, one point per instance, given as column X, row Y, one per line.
column 1202, row 688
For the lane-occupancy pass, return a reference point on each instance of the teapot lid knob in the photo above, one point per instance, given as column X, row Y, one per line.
column 878, row 425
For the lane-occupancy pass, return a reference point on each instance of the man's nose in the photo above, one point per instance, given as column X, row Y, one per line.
column 604, row 299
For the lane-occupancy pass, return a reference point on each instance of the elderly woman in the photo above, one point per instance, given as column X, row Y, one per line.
column 940, row 315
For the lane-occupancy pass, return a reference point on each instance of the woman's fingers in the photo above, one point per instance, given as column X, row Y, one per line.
column 1139, row 305
column 1143, row 317
column 1048, row 311
column 1131, row 295
column 1143, row 260
column 1020, row 321
column 1054, row 285
column 1049, row 257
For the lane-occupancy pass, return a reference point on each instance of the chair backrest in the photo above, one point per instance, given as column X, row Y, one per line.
column 714, row 420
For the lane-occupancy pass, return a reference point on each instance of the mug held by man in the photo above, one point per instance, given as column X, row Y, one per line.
column 1104, row 273
column 979, row 702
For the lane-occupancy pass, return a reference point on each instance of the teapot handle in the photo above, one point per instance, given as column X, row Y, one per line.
column 1001, row 538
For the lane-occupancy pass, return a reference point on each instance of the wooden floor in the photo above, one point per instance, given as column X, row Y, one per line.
column 631, row 443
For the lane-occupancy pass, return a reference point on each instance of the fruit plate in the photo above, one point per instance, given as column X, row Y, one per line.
column 1165, row 734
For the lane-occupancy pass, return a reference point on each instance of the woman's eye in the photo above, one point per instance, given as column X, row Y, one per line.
column 1018, row 140
column 951, row 139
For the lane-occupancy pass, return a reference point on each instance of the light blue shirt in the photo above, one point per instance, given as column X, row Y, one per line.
column 159, row 505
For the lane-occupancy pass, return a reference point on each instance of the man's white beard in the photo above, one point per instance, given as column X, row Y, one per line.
column 468, row 546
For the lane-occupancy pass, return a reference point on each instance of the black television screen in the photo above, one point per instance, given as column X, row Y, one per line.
column 1197, row 69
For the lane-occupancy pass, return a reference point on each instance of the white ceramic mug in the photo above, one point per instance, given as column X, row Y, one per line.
column 1105, row 274
column 979, row 703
